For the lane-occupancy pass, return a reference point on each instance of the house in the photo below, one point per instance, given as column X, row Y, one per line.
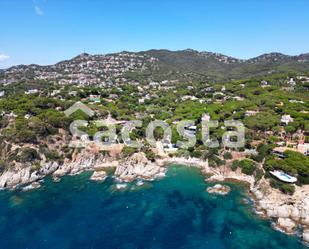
column 141, row 101
column 170, row 148
column 206, row 117
column 154, row 84
column 264, row 83
column 27, row 116
column 251, row 113
column 303, row 148
column 95, row 98
column 188, row 97
column 73, row 93
column 251, row 152
column 113, row 96
column 291, row 82
column 32, row 91
column 238, row 98
column 286, row 119
column 190, row 130
column 2, row 93
column 54, row 92
column 294, row 101
column 279, row 151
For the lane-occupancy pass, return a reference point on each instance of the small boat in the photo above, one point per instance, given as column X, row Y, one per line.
column 283, row 176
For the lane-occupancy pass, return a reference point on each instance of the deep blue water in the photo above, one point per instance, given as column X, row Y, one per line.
column 172, row 213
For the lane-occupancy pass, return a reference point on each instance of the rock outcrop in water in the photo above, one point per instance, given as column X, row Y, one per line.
column 138, row 166
column 306, row 236
column 98, row 176
column 219, row 189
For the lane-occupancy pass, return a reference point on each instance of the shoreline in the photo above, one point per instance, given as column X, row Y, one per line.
column 290, row 213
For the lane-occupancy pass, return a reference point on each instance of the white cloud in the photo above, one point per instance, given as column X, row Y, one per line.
column 38, row 11
column 4, row 57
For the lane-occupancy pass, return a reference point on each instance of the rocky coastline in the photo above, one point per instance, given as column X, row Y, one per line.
column 290, row 213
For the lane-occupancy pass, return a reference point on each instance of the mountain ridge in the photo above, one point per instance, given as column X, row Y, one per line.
column 301, row 55
column 158, row 63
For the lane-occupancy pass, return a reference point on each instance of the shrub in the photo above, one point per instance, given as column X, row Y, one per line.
column 128, row 151
column 227, row 156
column 258, row 174
column 28, row 155
column 150, row 155
column 235, row 165
column 52, row 155
column 283, row 187
column 247, row 167
column 3, row 166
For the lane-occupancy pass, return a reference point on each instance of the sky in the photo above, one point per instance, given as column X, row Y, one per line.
column 47, row 31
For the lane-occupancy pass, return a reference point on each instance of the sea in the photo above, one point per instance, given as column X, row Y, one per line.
column 175, row 212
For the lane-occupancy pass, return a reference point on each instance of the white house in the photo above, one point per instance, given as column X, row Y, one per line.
column 188, row 97
column 251, row 113
column 32, row 91
column 2, row 93
column 286, row 119
column 206, row 117
column 264, row 83
column 303, row 148
column 291, row 82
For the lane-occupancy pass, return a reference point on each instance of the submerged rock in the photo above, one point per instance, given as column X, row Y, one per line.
column 32, row 186
column 219, row 189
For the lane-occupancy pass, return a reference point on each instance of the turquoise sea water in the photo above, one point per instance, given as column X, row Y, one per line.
column 175, row 212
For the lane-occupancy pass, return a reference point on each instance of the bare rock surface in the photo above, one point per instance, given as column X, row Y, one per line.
column 219, row 189
column 98, row 176
column 138, row 166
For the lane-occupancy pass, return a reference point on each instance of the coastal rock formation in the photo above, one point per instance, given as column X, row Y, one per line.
column 287, row 225
column 86, row 160
column 288, row 210
column 32, row 186
column 98, row 176
column 306, row 236
column 138, row 166
column 219, row 189
column 24, row 174
column 12, row 178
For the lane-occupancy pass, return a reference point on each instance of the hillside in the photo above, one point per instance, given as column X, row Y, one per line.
column 185, row 65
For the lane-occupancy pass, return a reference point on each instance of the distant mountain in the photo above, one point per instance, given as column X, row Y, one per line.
column 222, row 66
column 94, row 69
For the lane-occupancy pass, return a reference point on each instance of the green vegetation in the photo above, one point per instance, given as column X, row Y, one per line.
column 247, row 166
column 38, row 120
column 294, row 163
column 284, row 187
